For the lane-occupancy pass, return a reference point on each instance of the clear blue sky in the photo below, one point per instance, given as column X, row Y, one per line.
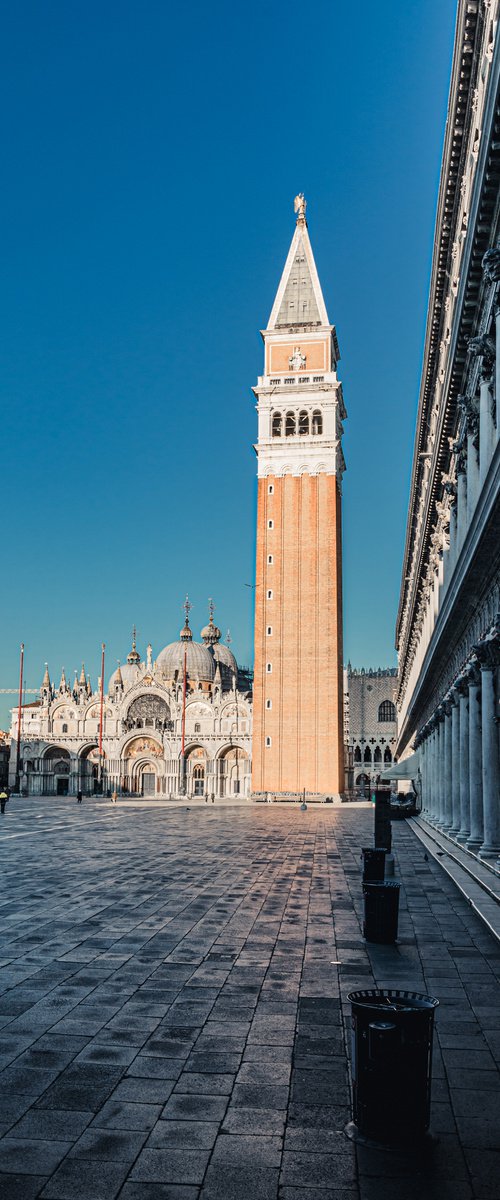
column 151, row 152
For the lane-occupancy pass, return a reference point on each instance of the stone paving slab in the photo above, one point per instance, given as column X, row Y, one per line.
column 174, row 1022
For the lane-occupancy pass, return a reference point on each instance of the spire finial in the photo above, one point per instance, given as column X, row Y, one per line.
column 187, row 606
column 228, row 638
column 299, row 207
column 211, row 609
column 134, row 656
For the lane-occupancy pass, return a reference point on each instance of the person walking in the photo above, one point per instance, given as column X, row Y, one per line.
column 3, row 800
column 78, row 797
column 114, row 796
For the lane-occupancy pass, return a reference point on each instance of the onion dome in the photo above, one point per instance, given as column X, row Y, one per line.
column 133, row 657
column 199, row 659
column 210, row 633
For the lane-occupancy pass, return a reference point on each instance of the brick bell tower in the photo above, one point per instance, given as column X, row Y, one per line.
column 298, row 719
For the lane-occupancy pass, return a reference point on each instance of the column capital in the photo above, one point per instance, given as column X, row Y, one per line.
column 472, row 672
column 470, row 410
column 483, row 346
column 461, row 684
column 491, row 264
column 488, row 650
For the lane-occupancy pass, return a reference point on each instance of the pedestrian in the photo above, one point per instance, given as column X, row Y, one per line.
column 114, row 797
column 213, row 798
column 78, row 797
column 3, row 800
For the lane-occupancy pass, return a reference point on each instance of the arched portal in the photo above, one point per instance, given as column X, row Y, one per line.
column 143, row 764
column 196, row 771
column 234, row 772
column 56, row 765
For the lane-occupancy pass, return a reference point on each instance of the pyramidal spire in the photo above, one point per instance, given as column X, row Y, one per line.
column 46, row 677
column 299, row 300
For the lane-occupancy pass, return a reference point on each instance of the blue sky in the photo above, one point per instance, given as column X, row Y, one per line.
column 151, row 154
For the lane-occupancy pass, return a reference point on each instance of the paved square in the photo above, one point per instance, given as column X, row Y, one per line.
column 173, row 1021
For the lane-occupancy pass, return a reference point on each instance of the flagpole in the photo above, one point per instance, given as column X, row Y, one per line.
column 101, row 713
column 19, row 719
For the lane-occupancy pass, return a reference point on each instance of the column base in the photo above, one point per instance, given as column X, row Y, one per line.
column 488, row 851
column 454, row 833
column 463, row 837
column 473, row 844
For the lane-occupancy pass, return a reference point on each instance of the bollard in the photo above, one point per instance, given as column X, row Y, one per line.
column 391, row 1066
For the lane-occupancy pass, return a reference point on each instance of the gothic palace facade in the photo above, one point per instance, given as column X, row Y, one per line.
column 448, row 627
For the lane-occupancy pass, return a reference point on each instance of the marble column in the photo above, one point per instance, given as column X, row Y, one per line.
column 433, row 772
column 461, row 500
column 475, row 838
column 463, row 691
column 447, row 821
column 486, row 423
column 489, row 658
column 440, row 764
column 472, row 458
column 455, row 762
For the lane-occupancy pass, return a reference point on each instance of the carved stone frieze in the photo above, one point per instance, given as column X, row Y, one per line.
column 483, row 347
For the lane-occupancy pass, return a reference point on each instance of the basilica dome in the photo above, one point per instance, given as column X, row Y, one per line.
column 199, row 659
column 126, row 675
column 225, row 657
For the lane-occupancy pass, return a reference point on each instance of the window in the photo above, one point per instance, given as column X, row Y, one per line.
column 317, row 422
column 318, row 378
column 367, row 757
column 270, row 559
column 304, row 379
column 268, row 741
column 290, row 424
column 387, row 711
column 292, row 380
column 303, row 424
column 377, row 757
column 269, row 668
column 269, row 630
column 197, row 728
column 269, row 594
column 236, row 787
column 276, row 426
column 275, row 382
column 387, row 755
column 357, row 755
column 270, row 489
column 270, row 524
column 269, row 704
column 65, row 728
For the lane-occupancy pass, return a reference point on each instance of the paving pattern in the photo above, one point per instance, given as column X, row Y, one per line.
column 173, row 1014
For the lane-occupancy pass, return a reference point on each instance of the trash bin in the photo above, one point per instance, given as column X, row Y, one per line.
column 391, row 1065
column 373, row 864
column 381, row 912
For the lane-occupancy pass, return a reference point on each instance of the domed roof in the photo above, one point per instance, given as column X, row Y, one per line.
column 128, row 674
column 226, row 658
column 199, row 659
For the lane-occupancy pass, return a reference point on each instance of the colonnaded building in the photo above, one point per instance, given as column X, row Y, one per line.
column 178, row 725
column 448, row 627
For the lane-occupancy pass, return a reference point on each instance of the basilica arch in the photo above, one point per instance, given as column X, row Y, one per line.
column 233, row 771
column 143, row 766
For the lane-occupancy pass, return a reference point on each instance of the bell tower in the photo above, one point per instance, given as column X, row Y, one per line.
column 298, row 720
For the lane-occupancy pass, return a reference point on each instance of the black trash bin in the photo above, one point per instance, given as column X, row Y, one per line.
column 381, row 912
column 373, row 864
column 391, row 1065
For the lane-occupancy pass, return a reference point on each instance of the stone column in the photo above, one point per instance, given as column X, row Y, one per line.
column 491, row 268
column 475, row 838
column 433, row 814
column 463, row 691
column 488, row 653
column 461, row 500
column 483, row 347
column 439, row 765
column 447, row 820
column 470, row 408
column 455, row 762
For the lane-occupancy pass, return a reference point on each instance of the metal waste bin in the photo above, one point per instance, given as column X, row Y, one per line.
column 381, row 912
column 373, row 864
column 391, row 1065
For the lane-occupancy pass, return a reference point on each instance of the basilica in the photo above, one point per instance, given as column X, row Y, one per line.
column 177, row 725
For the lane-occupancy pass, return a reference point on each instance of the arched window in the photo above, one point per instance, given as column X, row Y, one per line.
column 357, row 755
column 304, row 424
column 276, row 424
column 197, row 728
column 367, row 757
column 387, row 755
column 387, row 711
column 377, row 757
column 290, row 424
column 317, row 421
column 65, row 728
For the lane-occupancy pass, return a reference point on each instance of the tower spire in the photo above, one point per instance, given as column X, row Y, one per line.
column 133, row 656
